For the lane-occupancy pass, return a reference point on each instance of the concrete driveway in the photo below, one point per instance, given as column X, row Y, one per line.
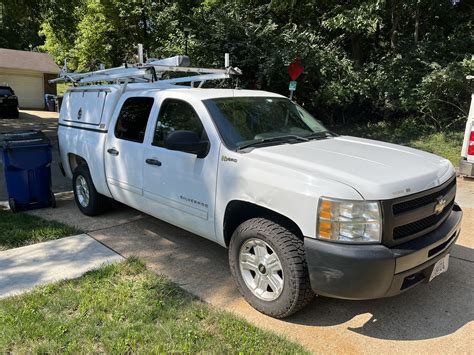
column 436, row 317
column 48, row 123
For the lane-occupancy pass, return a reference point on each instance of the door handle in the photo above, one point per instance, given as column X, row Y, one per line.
column 153, row 162
column 113, row 151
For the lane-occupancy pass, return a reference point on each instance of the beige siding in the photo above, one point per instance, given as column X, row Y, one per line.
column 28, row 86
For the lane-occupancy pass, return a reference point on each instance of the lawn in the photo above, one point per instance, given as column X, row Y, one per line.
column 445, row 144
column 125, row 308
column 19, row 229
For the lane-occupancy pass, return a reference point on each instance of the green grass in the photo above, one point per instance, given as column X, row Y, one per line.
column 19, row 229
column 125, row 308
column 445, row 144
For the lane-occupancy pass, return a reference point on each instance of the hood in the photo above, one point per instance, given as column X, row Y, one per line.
column 377, row 170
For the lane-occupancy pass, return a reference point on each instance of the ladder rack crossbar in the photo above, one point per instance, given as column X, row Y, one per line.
column 195, row 78
column 148, row 72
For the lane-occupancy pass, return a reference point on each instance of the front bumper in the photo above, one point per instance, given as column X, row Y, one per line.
column 374, row 271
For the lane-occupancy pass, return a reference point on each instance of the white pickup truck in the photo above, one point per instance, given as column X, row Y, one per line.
column 301, row 210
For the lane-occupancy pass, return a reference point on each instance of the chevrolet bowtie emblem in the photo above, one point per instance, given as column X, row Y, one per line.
column 440, row 205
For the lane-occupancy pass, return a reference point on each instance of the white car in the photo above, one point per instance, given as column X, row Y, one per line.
column 302, row 210
column 466, row 166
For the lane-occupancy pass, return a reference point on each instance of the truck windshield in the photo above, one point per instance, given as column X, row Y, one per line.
column 251, row 121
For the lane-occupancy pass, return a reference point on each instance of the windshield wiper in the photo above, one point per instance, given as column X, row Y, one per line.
column 284, row 138
column 320, row 135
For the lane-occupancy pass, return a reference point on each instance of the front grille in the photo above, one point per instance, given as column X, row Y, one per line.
column 423, row 200
column 422, row 224
column 413, row 216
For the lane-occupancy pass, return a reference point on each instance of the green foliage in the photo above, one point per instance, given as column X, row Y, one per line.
column 122, row 309
column 443, row 93
column 365, row 60
column 19, row 23
column 411, row 133
column 19, row 229
column 359, row 17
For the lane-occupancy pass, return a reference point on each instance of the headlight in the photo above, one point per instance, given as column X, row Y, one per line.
column 349, row 221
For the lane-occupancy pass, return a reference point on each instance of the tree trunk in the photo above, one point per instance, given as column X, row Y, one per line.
column 357, row 54
column 417, row 24
column 145, row 30
column 395, row 14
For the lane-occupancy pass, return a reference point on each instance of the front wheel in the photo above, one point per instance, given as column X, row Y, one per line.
column 89, row 201
column 269, row 267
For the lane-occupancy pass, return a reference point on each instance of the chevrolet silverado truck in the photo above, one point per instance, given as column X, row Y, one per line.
column 302, row 210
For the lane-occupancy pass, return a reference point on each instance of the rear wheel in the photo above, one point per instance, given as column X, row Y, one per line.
column 89, row 201
column 269, row 267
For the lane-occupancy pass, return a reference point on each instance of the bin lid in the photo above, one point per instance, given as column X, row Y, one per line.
column 23, row 138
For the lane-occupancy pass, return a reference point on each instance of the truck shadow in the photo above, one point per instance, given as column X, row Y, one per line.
column 200, row 266
column 424, row 312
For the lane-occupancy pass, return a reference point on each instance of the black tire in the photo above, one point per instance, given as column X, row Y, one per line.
column 12, row 204
column 97, row 203
column 296, row 292
column 16, row 114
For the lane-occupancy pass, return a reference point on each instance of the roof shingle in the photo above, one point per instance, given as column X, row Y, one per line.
column 24, row 60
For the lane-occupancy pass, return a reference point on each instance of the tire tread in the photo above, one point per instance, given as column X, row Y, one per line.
column 292, row 249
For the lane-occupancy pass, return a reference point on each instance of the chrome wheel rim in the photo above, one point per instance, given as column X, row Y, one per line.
column 261, row 269
column 82, row 191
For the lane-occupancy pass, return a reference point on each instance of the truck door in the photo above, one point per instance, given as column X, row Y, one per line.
column 180, row 187
column 124, row 150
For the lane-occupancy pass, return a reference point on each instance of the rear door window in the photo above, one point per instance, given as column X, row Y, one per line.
column 133, row 118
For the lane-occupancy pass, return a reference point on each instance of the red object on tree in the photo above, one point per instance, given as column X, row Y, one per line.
column 295, row 69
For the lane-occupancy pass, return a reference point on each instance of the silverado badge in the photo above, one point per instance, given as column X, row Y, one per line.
column 440, row 205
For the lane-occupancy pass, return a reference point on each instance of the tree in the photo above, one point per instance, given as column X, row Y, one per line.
column 19, row 24
column 364, row 59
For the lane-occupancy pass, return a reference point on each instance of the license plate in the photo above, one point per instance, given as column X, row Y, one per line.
column 440, row 267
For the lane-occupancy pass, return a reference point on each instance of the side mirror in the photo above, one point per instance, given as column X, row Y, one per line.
column 187, row 141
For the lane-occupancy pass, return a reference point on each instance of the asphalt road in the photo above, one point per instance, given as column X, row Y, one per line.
column 48, row 123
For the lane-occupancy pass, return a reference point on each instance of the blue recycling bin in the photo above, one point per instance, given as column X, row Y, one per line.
column 26, row 158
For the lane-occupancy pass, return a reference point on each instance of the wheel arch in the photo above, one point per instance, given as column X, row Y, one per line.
column 239, row 211
column 74, row 160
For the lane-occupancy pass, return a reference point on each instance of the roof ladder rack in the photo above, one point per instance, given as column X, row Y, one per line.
column 149, row 72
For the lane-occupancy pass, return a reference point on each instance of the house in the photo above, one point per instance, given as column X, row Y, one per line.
column 27, row 73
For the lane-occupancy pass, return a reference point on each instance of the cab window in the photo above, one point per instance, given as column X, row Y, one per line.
column 133, row 118
column 176, row 115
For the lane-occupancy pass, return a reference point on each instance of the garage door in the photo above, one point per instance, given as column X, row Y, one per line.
column 28, row 88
